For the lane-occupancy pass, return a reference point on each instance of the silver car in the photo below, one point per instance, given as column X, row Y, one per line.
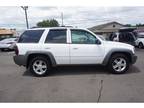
column 7, row 44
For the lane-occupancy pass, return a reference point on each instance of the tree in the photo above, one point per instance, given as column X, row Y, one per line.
column 139, row 25
column 48, row 23
column 128, row 25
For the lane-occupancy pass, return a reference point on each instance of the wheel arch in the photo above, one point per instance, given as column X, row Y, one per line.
column 126, row 52
column 141, row 42
column 48, row 55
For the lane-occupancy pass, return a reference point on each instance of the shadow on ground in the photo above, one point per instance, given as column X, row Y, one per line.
column 82, row 70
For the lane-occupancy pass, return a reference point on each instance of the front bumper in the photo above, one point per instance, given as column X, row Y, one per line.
column 134, row 59
column 20, row 60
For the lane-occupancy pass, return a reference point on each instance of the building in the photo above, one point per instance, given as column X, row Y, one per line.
column 140, row 29
column 6, row 33
column 107, row 28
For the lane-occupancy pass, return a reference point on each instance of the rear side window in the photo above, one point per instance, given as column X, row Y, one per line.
column 31, row 36
column 56, row 36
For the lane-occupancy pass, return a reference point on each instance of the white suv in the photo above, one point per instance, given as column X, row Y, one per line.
column 40, row 49
column 140, row 41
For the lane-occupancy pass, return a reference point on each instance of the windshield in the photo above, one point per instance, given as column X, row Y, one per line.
column 141, row 37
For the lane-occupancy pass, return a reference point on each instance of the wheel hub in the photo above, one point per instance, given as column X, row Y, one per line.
column 119, row 64
column 39, row 67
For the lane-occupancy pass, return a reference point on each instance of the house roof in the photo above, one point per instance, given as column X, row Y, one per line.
column 7, row 32
column 105, row 31
column 98, row 27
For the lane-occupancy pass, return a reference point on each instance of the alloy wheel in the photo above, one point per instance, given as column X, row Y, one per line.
column 119, row 64
column 39, row 67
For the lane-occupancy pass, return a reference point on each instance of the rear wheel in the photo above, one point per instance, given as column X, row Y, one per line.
column 39, row 66
column 140, row 45
column 118, row 64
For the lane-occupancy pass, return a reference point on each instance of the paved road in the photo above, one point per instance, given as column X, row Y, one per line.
column 71, row 84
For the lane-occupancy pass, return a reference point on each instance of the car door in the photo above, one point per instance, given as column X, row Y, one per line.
column 56, row 43
column 85, row 48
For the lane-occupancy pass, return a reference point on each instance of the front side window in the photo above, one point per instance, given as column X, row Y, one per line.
column 82, row 37
column 56, row 36
column 31, row 36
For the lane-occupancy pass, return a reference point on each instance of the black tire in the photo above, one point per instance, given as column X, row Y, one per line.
column 41, row 58
column 2, row 49
column 116, row 57
column 140, row 45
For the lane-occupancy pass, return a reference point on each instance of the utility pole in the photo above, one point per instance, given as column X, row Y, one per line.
column 62, row 19
column 25, row 8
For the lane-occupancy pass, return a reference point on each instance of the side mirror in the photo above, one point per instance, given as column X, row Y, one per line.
column 98, row 42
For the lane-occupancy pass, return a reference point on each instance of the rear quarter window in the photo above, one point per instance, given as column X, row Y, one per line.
column 31, row 36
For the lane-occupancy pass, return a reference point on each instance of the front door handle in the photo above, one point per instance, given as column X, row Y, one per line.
column 48, row 48
column 75, row 48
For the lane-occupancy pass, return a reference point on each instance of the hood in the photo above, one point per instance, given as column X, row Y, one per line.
column 118, row 45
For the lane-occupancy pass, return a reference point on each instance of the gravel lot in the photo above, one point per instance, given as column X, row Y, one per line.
column 71, row 84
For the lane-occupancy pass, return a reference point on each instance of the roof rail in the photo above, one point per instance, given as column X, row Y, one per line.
column 66, row 26
column 51, row 27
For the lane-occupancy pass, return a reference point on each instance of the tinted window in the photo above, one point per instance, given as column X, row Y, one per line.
column 141, row 36
column 31, row 36
column 56, row 36
column 82, row 37
column 112, row 36
column 126, row 37
column 121, row 37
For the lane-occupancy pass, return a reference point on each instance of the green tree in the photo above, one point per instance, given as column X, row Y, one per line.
column 128, row 25
column 139, row 25
column 48, row 23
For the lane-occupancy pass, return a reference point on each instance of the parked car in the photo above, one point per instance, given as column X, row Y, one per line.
column 124, row 35
column 7, row 44
column 40, row 49
column 140, row 40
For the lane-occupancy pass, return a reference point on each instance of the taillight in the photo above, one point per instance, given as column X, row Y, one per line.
column 16, row 50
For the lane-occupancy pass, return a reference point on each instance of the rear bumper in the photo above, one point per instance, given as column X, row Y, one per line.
column 134, row 59
column 20, row 60
column 5, row 46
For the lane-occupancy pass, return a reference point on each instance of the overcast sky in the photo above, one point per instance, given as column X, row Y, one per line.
column 13, row 17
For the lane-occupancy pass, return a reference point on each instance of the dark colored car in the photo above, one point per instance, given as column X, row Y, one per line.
column 124, row 35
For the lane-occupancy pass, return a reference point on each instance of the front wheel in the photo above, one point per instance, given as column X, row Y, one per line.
column 39, row 66
column 118, row 64
column 140, row 45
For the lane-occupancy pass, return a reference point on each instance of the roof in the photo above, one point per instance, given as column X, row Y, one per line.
column 98, row 27
column 36, row 28
column 45, row 28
